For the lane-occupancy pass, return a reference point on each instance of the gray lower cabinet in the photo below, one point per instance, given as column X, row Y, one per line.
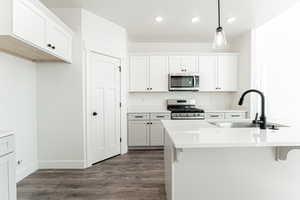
column 157, row 133
column 146, row 130
column 138, row 133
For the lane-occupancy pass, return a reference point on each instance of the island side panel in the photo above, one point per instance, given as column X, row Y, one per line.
column 234, row 174
column 169, row 165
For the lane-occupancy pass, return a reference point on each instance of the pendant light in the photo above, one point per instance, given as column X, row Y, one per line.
column 220, row 41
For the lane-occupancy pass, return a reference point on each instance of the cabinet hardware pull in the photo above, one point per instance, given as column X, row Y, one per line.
column 214, row 115
column 235, row 115
column 138, row 116
column 49, row 45
column 160, row 116
column 53, row 47
column 95, row 113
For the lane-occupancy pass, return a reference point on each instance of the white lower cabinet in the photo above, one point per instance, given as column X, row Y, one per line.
column 157, row 132
column 226, row 115
column 138, row 133
column 146, row 130
column 7, row 170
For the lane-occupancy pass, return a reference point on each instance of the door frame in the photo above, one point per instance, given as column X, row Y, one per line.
column 86, row 100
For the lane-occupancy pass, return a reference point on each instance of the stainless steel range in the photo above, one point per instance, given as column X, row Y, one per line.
column 185, row 109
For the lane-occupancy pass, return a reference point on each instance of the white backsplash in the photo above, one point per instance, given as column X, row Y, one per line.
column 208, row 101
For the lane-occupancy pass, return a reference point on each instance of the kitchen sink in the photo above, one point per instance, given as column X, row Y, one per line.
column 244, row 125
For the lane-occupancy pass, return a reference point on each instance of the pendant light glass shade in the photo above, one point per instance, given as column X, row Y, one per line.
column 220, row 41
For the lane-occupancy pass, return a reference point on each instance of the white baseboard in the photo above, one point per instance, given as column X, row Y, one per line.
column 61, row 164
column 23, row 172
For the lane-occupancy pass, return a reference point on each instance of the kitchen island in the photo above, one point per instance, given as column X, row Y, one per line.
column 203, row 161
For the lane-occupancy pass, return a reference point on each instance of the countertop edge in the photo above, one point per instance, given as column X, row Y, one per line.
column 6, row 133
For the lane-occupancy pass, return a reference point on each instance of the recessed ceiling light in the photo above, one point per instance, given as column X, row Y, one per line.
column 230, row 20
column 195, row 20
column 159, row 19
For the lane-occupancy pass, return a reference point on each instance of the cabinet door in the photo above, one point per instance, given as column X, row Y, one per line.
column 28, row 23
column 158, row 73
column 175, row 65
column 138, row 132
column 139, row 73
column 227, row 73
column 189, row 64
column 208, row 73
column 58, row 41
column 157, row 134
column 7, row 178
column 183, row 64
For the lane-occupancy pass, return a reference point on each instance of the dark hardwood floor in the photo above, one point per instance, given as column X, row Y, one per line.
column 138, row 175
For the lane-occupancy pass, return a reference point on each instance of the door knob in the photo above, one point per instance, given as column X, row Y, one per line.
column 95, row 113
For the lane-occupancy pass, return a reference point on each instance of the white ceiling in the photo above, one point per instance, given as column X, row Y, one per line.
column 137, row 16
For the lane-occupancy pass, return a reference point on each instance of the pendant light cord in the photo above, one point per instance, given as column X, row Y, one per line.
column 219, row 14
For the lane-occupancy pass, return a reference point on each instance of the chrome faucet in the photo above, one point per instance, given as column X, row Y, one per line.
column 262, row 119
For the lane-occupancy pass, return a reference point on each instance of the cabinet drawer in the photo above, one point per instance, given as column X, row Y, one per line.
column 160, row 116
column 214, row 115
column 6, row 145
column 235, row 115
column 141, row 116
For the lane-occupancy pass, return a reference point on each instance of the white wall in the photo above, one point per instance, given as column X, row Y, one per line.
column 60, row 105
column 208, row 101
column 242, row 44
column 62, row 90
column 278, row 66
column 18, row 109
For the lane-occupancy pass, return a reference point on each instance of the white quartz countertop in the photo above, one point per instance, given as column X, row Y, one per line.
column 5, row 133
column 147, row 109
column 202, row 134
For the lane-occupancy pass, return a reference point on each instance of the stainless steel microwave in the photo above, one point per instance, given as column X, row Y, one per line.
column 184, row 82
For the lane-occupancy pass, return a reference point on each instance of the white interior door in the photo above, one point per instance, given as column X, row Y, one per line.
column 104, row 108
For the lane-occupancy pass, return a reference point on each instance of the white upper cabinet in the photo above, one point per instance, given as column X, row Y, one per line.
column 183, row 64
column 149, row 74
column 28, row 27
column 59, row 41
column 218, row 73
column 208, row 73
column 139, row 73
column 35, row 31
column 158, row 73
column 227, row 73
